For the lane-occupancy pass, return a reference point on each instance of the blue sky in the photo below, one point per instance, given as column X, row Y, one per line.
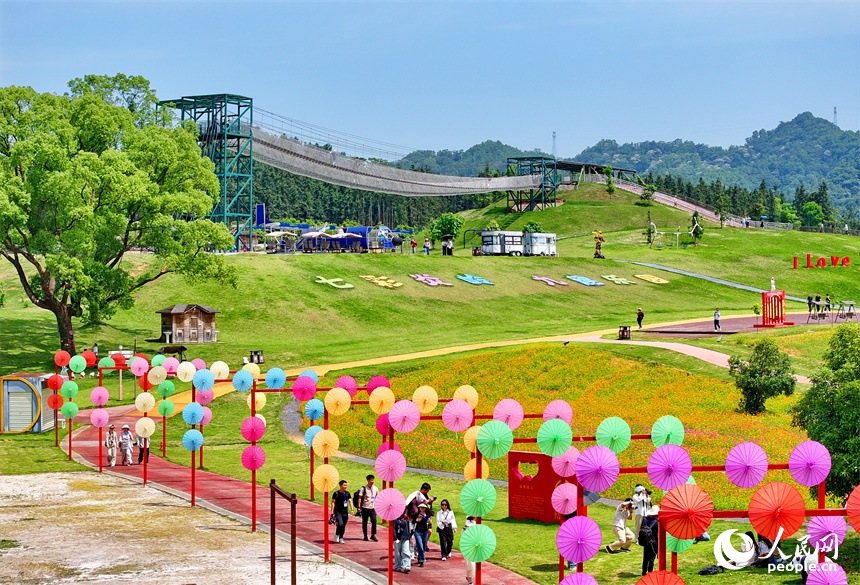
column 450, row 75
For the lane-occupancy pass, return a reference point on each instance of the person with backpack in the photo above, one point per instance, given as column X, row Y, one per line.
column 363, row 501
column 402, row 536
column 641, row 503
column 423, row 530
column 340, row 509
column 648, row 539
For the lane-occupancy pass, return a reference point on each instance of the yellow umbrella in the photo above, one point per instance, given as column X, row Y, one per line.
column 259, row 400
column 185, row 371
column 144, row 427
column 261, row 417
column 469, row 470
column 253, row 368
column 468, row 394
column 425, row 398
column 470, row 439
column 337, row 401
column 326, row 477
column 326, row 444
column 144, row 402
column 157, row 375
column 220, row 370
column 381, row 400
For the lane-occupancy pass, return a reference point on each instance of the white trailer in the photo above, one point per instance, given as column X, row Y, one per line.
column 501, row 243
column 540, row 245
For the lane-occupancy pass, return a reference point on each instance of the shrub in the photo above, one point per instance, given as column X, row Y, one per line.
column 767, row 374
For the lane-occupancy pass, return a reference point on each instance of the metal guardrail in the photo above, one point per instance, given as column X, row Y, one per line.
column 293, row 500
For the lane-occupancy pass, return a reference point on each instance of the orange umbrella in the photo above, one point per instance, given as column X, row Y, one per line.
column 686, row 511
column 660, row 578
column 326, row 444
column 425, row 398
column 470, row 470
column 468, row 394
column 774, row 505
column 326, row 477
column 381, row 400
column 337, row 401
column 470, row 439
column 853, row 509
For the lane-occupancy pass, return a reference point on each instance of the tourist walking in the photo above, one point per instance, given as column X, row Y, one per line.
column 446, row 524
column 470, row 566
column 717, row 320
column 639, row 316
column 426, row 246
column 423, row 530
column 809, row 302
column 111, row 442
column 126, row 444
column 341, row 505
column 413, row 244
column 623, row 513
column 142, row 446
column 641, row 504
column 366, row 497
column 402, row 536
column 648, row 540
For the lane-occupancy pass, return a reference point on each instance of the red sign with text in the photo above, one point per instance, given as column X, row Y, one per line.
column 531, row 480
column 822, row 262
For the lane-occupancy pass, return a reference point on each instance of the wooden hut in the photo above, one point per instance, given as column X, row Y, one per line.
column 188, row 324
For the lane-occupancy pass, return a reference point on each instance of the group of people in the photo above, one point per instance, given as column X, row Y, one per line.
column 817, row 299
column 447, row 247
column 123, row 445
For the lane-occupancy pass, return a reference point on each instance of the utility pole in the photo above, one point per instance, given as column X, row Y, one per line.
column 834, row 116
column 553, row 141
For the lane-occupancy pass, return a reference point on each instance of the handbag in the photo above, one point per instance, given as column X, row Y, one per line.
column 331, row 519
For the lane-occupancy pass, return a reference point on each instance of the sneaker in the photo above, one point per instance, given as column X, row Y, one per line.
column 373, row 538
column 609, row 550
column 365, row 538
column 420, row 564
column 625, row 550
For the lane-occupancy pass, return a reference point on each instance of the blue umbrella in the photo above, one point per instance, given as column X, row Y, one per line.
column 203, row 379
column 276, row 378
column 311, row 433
column 243, row 380
column 314, row 408
column 192, row 439
column 192, row 413
column 311, row 374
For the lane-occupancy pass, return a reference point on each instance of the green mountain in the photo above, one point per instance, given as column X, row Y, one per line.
column 464, row 163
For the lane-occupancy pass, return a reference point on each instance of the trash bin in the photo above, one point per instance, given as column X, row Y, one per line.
column 624, row 332
column 257, row 357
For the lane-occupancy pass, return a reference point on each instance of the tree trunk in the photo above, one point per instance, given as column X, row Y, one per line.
column 64, row 327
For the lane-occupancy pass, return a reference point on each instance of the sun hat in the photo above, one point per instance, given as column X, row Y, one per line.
column 422, row 505
column 125, row 426
column 111, row 426
column 639, row 489
column 653, row 511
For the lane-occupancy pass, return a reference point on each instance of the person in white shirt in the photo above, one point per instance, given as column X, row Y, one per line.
column 623, row 513
column 126, row 444
column 447, row 525
column 641, row 503
column 366, row 497
column 470, row 566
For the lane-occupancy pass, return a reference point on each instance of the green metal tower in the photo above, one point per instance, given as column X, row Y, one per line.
column 534, row 199
column 224, row 134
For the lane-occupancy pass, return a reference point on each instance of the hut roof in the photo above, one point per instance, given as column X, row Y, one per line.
column 180, row 309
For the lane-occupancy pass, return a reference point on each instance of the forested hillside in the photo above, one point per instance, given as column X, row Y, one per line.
column 465, row 163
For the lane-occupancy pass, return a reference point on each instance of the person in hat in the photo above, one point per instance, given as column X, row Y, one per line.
column 648, row 539
column 639, row 316
column 126, row 444
column 111, row 442
column 641, row 503
column 624, row 536
column 423, row 529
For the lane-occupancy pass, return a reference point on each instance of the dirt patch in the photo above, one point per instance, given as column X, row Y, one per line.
column 84, row 527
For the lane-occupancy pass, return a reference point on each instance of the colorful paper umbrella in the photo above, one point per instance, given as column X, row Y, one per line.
column 326, row 443
column 310, row 434
column 558, row 409
column 668, row 430
column 69, row 389
column 259, row 401
column 349, row 384
column 311, row 374
column 168, row 388
column 470, row 438
column 746, row 465
column 425, row 398
column 254, row 370
column 185, row 371
column 62, row 358
column 326, row 478
column 171, row 364
column 578, row 579
column 55, row 401
column 207, row 416
column 578, row 539
column 143, row 355
column 192, row 413
column 776, row 504
column 199, row 364
column 377, row 382
column 668, row 466
column 99, row 396
column 139, row 366
column 554, row 437
column 383, row 426
column 825, row 532
column 853, row 509
column 404, row 416
column 470, row 470
column 809, row 463
column 390, row 466
column 253, row 429
column 220, row 370
column 389, row 504
column 89, row 357
column 467, row 393
column 457, row 416
column 614, row 433
column 204, row 397
column 495, row 439
column 243, row 380
column 144, row 402
column 99, row 417
column 157, row 375
column 253, row 457
column 304, row 388
column 337, row 401
column 145, row 384
column 314, row 409
column 69, row 410
column 55, row 382
column 192, row 439
column 597, row 468
column 204, row 379
column 384, row 447
column 78, row 364
column 276, row 378
column 660, row 578
column 564, row 498
column 686, row 511
column 261, row 417
column 118, row 359
column 565, row 464
column 381, row 400
column 678, row 545
column 158, row 360
column 510, row 412
column 827, row 573
column 166, row 407
column 144, row 426
column 478, row 543
column 478, row 497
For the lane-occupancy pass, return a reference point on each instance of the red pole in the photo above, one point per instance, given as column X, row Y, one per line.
column 821, row 497
column 272, row 529
column 100, row 449
column 164, row 437
column 56, row 428
column 146, row 443
column 662, row 535
column 70, row 436
column 581, row 510
column 560, row 556
column 478, row 519
column 201, row 449
column 391, row 553
column 193, row 486
column 675, row 563
column 325, row 497
column 254, row 472
column 313, row 457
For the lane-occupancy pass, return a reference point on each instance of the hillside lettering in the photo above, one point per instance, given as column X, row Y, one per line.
column 822, row 261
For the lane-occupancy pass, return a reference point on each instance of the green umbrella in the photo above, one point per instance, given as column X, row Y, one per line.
column 614, row 433
column 554, row 437
column 478, row 497
column 78, row 364
column 478, row 543
column 158, row 360
column 166, row 388
column 69, row 410
column 495, row 439
column 166, row 407
column 666, row 430
column 677, row 545
column 107, row 362
column 69, row 389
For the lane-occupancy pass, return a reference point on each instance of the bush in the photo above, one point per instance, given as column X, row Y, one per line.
column 767, row 374
column 493, row 226
column 533, row 227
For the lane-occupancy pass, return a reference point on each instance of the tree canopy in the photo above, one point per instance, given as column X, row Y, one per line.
column 766, row 374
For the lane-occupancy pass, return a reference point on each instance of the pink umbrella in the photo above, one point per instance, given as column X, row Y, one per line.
column 827, row 573
column 668, row 466
column 578, row 539
column 558, row 409
column 253, row 428
column 304, row 388
column 199, row 364
column 510, row 412
column 597, row 468
column 253, row 457
column 384, row 447
column 746, row 465
column 826, row 532
column 99, row 417
column 171, row 364
column 809, row 463
column 404, row 416
column 349, row 384
column 99, row 396
column 578, row 579
column 389, row 504
column 564, row 498
column 207, row 416
column 382, row 425
column 390, row 465
column 377, row 382
column 457, row 416
column 565, row 464
column 205, row 396
column 139, row 366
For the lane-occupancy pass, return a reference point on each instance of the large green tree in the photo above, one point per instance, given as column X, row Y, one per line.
column 766, row 374
column 83, row 181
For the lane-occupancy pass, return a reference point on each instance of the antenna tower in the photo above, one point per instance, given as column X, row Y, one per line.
column 834, row 115
column 553, row 144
